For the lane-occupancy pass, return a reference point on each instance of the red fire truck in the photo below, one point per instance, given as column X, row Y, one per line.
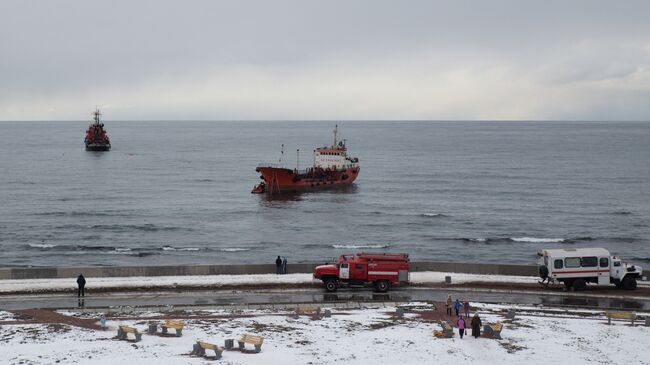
column 380, row 269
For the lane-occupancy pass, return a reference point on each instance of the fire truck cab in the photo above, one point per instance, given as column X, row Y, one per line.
column 380, row 269
column 576, row 267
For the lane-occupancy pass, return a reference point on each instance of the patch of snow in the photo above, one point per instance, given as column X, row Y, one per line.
column 356, row 336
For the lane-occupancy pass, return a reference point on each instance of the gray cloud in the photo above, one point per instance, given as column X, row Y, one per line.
column 322, row 60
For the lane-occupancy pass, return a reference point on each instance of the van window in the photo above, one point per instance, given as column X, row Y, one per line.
column 572, row 262
column 589, row 262
column 558, row 264
column 604, row 262
column 617, row 263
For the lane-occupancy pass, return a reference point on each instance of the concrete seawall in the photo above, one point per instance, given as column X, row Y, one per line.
column 126, row 271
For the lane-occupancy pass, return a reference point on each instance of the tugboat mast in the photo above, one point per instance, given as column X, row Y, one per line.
column 97, row 114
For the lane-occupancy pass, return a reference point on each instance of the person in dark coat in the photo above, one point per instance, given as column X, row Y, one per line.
column 81, row 284
column 278, row 265
column 466, row 307
column 476, row 325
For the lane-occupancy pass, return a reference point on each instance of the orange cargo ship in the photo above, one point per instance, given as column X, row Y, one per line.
column 332, row 167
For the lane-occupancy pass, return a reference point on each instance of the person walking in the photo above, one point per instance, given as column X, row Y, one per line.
column 476, row 325
column 278, row 265
column 461, row 326
column 448, row 305
column 457, row 306
column 81, row 284
column 466, row 307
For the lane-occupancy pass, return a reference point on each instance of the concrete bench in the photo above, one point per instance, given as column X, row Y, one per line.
column 493, row 330
column 309, row 310
column 250, row 339
column 200, row 347
column 447, row 330
column 177, row 325
column 123, row 331
column 620, row 315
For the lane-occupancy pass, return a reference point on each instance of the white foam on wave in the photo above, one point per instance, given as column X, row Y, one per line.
column 41, row 245
column 537, row 240
column 434, row 215
column 170, row 248
column 234, row 249
column 477, row 239
column 360, row 246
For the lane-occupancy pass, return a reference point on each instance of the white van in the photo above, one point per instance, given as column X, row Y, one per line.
column 575, row 267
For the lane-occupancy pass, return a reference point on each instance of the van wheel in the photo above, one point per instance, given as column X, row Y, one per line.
column 382, row 286
column 629, row 283
column 579, row 285
column 331, row 285
column 568, row 284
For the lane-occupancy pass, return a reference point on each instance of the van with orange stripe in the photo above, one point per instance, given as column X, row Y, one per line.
column 575, row 267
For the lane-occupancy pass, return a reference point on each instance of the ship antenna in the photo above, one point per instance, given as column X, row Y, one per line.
column 297, row 159
column 336, row 127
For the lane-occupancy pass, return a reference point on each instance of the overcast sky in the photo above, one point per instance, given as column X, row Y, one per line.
column 225, row 60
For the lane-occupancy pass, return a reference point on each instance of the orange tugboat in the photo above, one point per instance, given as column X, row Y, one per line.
column 96, row 137
column 332, row 167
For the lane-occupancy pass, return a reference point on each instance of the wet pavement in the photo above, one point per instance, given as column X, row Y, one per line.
column 312, row 295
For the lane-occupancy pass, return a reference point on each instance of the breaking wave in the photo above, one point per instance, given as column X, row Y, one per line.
column 41, row 245
column 434, row 215
column 505, row 240
column 170, row 248
column 359, row 246
column 537, row 240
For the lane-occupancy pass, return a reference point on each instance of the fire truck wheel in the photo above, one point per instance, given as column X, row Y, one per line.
column 629, row 283
column 382, row 285
column 331, row 285
column 579, row 285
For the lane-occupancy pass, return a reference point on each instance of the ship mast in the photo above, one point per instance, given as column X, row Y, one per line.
column 336, row 127
column 97, row 114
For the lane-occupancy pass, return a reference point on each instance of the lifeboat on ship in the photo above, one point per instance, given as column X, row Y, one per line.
column 259, row 188
column 332, row 167
column 96, row 136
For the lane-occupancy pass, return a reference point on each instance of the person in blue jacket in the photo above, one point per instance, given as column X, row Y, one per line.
column 457, row 306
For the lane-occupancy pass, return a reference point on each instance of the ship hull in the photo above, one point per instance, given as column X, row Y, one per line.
column 97, row 147
column 281, row 180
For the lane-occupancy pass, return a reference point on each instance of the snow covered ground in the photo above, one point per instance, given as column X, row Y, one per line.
column 8, row 286
column 353, row 336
